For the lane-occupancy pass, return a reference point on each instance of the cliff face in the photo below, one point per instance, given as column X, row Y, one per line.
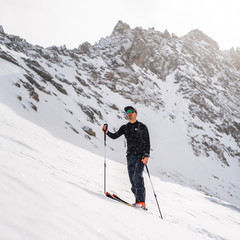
column 185, row 80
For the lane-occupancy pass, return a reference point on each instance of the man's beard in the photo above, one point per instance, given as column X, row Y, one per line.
column 130, row 117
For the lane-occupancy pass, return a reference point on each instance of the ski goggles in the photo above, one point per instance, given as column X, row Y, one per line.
column 130, row 111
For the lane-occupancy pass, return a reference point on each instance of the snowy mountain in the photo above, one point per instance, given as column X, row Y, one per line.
column 186, row 90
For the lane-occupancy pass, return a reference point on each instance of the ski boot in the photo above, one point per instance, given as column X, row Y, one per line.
column 140, row 205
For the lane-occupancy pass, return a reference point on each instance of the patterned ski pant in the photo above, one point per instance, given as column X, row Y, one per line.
column 135, row 172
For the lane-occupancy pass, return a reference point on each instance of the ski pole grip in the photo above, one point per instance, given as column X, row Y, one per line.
column 106, row 127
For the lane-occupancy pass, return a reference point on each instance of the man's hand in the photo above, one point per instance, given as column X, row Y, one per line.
column 145, row 160
column 105, row 128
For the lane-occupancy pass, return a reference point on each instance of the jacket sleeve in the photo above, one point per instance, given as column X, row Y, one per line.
column 119, row 133
column 146, row 142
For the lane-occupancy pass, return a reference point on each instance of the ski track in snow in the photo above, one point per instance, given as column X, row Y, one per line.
column 51, row 189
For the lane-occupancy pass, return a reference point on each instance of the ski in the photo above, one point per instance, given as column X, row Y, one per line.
column 115, row 197
column 121, row 200
column 110, row 195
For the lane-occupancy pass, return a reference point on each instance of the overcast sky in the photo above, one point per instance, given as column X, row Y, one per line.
column 72, row 22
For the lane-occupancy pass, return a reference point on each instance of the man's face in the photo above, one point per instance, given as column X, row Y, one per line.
column 132, row 115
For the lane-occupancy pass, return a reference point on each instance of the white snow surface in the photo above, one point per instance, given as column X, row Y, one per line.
column 51, row 189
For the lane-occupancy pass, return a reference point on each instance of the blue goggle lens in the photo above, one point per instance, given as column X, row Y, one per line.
column 130, row 111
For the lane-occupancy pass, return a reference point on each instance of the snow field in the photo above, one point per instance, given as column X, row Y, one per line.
column 51, row 189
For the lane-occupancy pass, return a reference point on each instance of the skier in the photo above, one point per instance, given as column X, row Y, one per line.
column 138, row 150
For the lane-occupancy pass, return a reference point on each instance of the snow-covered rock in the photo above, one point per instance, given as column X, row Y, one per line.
column 1, row 29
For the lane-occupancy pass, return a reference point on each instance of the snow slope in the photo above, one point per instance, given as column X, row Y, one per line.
column 51, row 189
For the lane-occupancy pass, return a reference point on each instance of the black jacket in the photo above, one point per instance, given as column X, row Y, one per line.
column 137, row 136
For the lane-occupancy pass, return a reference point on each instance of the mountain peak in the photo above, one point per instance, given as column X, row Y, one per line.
column 1, row 29
column 121, row 27
column 198, row 35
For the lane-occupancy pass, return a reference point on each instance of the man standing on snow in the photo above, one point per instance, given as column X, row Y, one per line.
column 138, row 150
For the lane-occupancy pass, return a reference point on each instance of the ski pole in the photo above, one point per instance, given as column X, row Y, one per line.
column 105, row 163
column 155, row 195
